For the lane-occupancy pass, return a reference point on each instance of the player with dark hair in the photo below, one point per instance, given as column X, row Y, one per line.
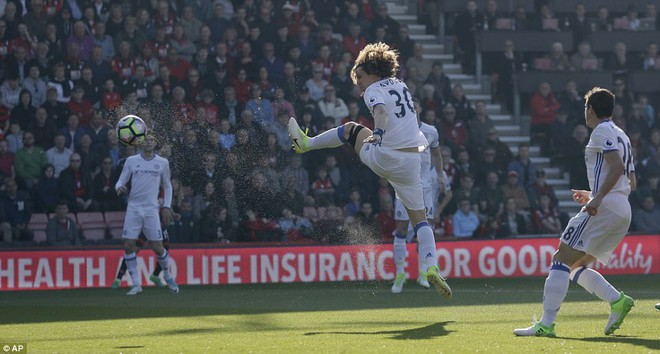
column 392, row 149
column 593, row 233
column 147, row 172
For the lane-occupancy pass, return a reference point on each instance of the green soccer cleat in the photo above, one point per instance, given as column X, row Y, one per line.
column 433, row 276
column 422, row 280
column 156, row 280
column 298, row 136
column 620, row 309
column 400, row 279
column 537, row 329
column 116, row 284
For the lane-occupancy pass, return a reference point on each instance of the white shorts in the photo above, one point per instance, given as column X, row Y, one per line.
column 145, row 220
column 430, row 204
column 599, row 235
column 400, row 168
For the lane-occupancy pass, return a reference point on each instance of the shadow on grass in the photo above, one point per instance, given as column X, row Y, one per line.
column 250, row 299
column 427, row 332
column 652, row 344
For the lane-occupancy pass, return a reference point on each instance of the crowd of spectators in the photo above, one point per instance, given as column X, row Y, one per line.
column 557, row 118
column 217, row 82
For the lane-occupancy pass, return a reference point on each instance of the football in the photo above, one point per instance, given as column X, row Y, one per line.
column 131, row 130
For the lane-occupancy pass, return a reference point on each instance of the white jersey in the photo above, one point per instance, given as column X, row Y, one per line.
column 146, row 176
column 608, row 138
column 428, row 172
column 402, row 130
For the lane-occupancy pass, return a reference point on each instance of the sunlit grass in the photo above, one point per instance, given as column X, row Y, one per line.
column 329, row 317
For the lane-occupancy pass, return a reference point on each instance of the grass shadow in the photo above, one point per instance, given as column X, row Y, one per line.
column 651, row 344
column 427, row 332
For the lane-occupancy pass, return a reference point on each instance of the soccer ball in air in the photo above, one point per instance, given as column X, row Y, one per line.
column 131, row 130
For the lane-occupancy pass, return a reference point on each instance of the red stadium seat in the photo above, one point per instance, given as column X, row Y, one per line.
column 94, row 234
column 38, row 222
column 115, row 218
column 39, row 236
column 116, row 232
column 91, row 220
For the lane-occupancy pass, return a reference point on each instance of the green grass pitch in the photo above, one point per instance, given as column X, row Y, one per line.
column 325, row 317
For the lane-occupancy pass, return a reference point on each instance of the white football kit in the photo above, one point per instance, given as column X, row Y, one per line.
column 599, row 235
column 429, row 176
column 400, row 168
column 142, row 213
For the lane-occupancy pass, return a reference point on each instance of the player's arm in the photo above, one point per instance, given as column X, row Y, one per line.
column 166, row 183
column 615, row 171
column 380, row 121
column 120, row 186
column 633, row 181
column 436, row 160
column 443, row 204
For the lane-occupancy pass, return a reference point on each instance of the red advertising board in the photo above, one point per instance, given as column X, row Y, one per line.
column 31, row 270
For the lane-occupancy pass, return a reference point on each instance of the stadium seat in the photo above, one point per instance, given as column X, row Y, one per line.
column 38, row 222
column 39, row 235
column 94, row 234
column 115, row 218
column 116, row 232
column 91, row 220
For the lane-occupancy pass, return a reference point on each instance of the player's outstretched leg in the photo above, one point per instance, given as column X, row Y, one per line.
column 399, row 250
column 618, row 311
column 593, row 282
column 554, row 292
column 302, row 143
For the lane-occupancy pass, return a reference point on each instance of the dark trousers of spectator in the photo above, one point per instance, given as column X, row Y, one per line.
column 11, row 233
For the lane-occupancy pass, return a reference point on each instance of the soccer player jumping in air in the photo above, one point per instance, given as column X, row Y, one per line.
column 392, row 149
column 433, row 178
column 594, row 232
column 147, row 173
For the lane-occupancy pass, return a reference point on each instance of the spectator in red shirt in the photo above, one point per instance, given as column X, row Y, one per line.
column 354, row 42
column 110, row 99
column 454, row 130
column 123, row 64
column 322, row 188
column 80, row 106
column 183, row 111
column 6, row 161
column 544, row 107
column 178, row 67
column 76, row 186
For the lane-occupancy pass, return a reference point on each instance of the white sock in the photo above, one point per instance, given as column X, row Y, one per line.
column 399, row 253
column 426, row 241
column 420, row 261
column 554, row 292
column 164, row 261
column 328, row 139
column 593, row 282
column 131, row 265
